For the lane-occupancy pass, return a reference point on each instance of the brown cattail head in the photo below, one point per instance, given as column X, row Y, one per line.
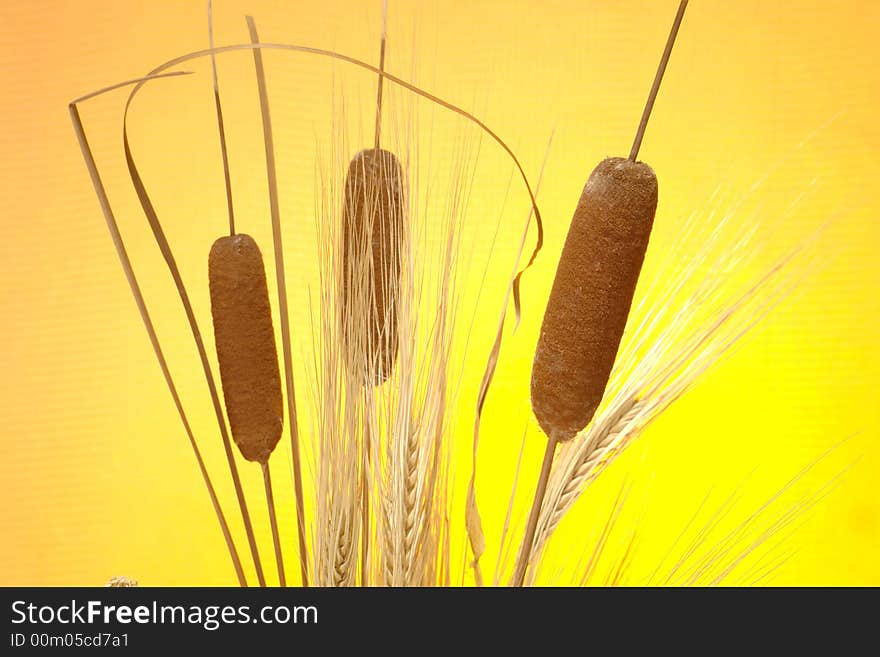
column 592, row 294
column 245, row 345
column 373, row 225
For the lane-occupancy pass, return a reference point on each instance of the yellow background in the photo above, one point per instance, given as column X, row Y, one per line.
column 96, row 476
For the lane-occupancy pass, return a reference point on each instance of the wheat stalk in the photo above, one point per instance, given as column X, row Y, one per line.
column 414, row 490
column 338, row 458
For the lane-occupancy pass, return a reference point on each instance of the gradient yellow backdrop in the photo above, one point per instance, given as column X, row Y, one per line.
column 96, row 476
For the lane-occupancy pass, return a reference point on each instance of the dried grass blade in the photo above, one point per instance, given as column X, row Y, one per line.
column 273, row 521
column 281, row 281
column 119, row 244
column 472, row 513
column 165, row 249
column 502, row 543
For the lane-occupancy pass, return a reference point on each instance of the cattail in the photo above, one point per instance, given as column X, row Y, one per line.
column 245, row 343
column 244, row 336
column 246, row 354
column 243, row 332
column 591, row 298
column 373, row 224
column 591, row 295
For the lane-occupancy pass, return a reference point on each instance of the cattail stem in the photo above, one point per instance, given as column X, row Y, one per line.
column 223, row 151
column 281, row 281
column 652, row 96
column 365, row 481
column 525, row 551
column 381, row 72
column 273, row 521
